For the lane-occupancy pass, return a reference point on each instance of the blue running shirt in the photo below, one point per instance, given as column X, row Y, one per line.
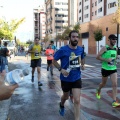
column 70, row 58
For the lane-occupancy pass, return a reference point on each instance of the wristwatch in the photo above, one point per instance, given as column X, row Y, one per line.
column 59, row 69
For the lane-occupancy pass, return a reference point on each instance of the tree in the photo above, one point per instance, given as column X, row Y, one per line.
column 7, row 29
column 46, row 38
column 17, row 41
column 29, row 42
column 67, row 29
column 98, row 35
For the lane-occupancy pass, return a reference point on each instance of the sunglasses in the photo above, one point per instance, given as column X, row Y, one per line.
column 113, row 39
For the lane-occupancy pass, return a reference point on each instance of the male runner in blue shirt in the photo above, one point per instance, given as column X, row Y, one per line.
column 72, row 58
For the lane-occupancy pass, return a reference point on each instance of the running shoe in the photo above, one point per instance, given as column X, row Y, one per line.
column 39, row 83
column 98, row 96
column 61, row 110
column 51, row 73
column 32, row 80
column 47, row 68
column 115, row 104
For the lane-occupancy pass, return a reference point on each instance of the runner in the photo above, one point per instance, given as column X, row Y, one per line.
column 49, row 53
column 35, row 50
column 53, row 46
column 108, row 55
column 71, row 56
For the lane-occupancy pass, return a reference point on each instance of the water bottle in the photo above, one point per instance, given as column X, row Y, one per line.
column 16, row 76
column 68, row 70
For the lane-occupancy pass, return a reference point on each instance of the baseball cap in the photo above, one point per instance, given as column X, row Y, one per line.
column 112, row 37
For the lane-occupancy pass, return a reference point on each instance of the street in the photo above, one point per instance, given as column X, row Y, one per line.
column 30, row 103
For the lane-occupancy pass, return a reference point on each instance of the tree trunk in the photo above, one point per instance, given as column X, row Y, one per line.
column 98, row 46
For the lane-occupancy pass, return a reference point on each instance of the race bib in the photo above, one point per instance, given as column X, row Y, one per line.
column 74, row 62
column 37, row 54
column 112, row 63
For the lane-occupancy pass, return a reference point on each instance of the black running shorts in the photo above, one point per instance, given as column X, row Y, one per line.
column 35, row 63
column 67, row 86
column 106, row 73
column 49, row 62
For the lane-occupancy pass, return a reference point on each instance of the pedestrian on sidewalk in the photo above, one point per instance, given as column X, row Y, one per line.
column 35, row 50
column 71, row 57
column 6, row 66
column 49, row 53
column 3, row 53
column 108, row 55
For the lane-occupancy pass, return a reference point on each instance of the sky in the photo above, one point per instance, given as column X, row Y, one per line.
column 17, row 9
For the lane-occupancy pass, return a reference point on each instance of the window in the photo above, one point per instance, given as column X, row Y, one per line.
column 96, row 3
column 95, row 12
column 110, row 5
column 56, row 9
column 57, row 27
column 79, row 18
column 79, row 3
column 85, row 35
column 99, row 1
column 86, row 16
column 64, row 9
column 92, row 13
column 86, row 0
column 57, row 3
column 64, row 3
column 86, row 7
column 80, row 11
column 92, row 4
column 100, row 10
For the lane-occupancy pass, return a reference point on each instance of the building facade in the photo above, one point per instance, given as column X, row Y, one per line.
column 39, row 22
column 72, row 12
column 56, row 16
column 60, row 13
column 93, row 14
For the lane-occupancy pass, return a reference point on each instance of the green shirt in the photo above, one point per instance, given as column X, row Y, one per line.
column 110, row 53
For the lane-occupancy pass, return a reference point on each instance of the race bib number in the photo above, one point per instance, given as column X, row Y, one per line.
column 36, row 54
column 112, row 63
column 74, row 62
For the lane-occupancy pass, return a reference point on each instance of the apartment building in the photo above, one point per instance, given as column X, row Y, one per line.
column 72, row 12
column 60, row 13
column 92, row 9
column 39, row 22
column 93, row 14
column 56, row 16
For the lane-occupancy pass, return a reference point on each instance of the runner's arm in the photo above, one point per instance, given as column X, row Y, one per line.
column 56, row 64
column 99, row 55
column 30, row 49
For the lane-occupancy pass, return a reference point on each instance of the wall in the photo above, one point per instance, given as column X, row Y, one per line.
column 103, row 23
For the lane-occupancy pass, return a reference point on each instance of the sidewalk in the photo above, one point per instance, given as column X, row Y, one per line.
column 91, row 55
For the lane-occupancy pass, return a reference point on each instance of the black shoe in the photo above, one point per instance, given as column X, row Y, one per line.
column 52, row 73
column 47, row 68
column 32, row 80
column 39, row 83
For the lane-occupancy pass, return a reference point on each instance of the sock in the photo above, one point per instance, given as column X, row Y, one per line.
column 61, row 105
